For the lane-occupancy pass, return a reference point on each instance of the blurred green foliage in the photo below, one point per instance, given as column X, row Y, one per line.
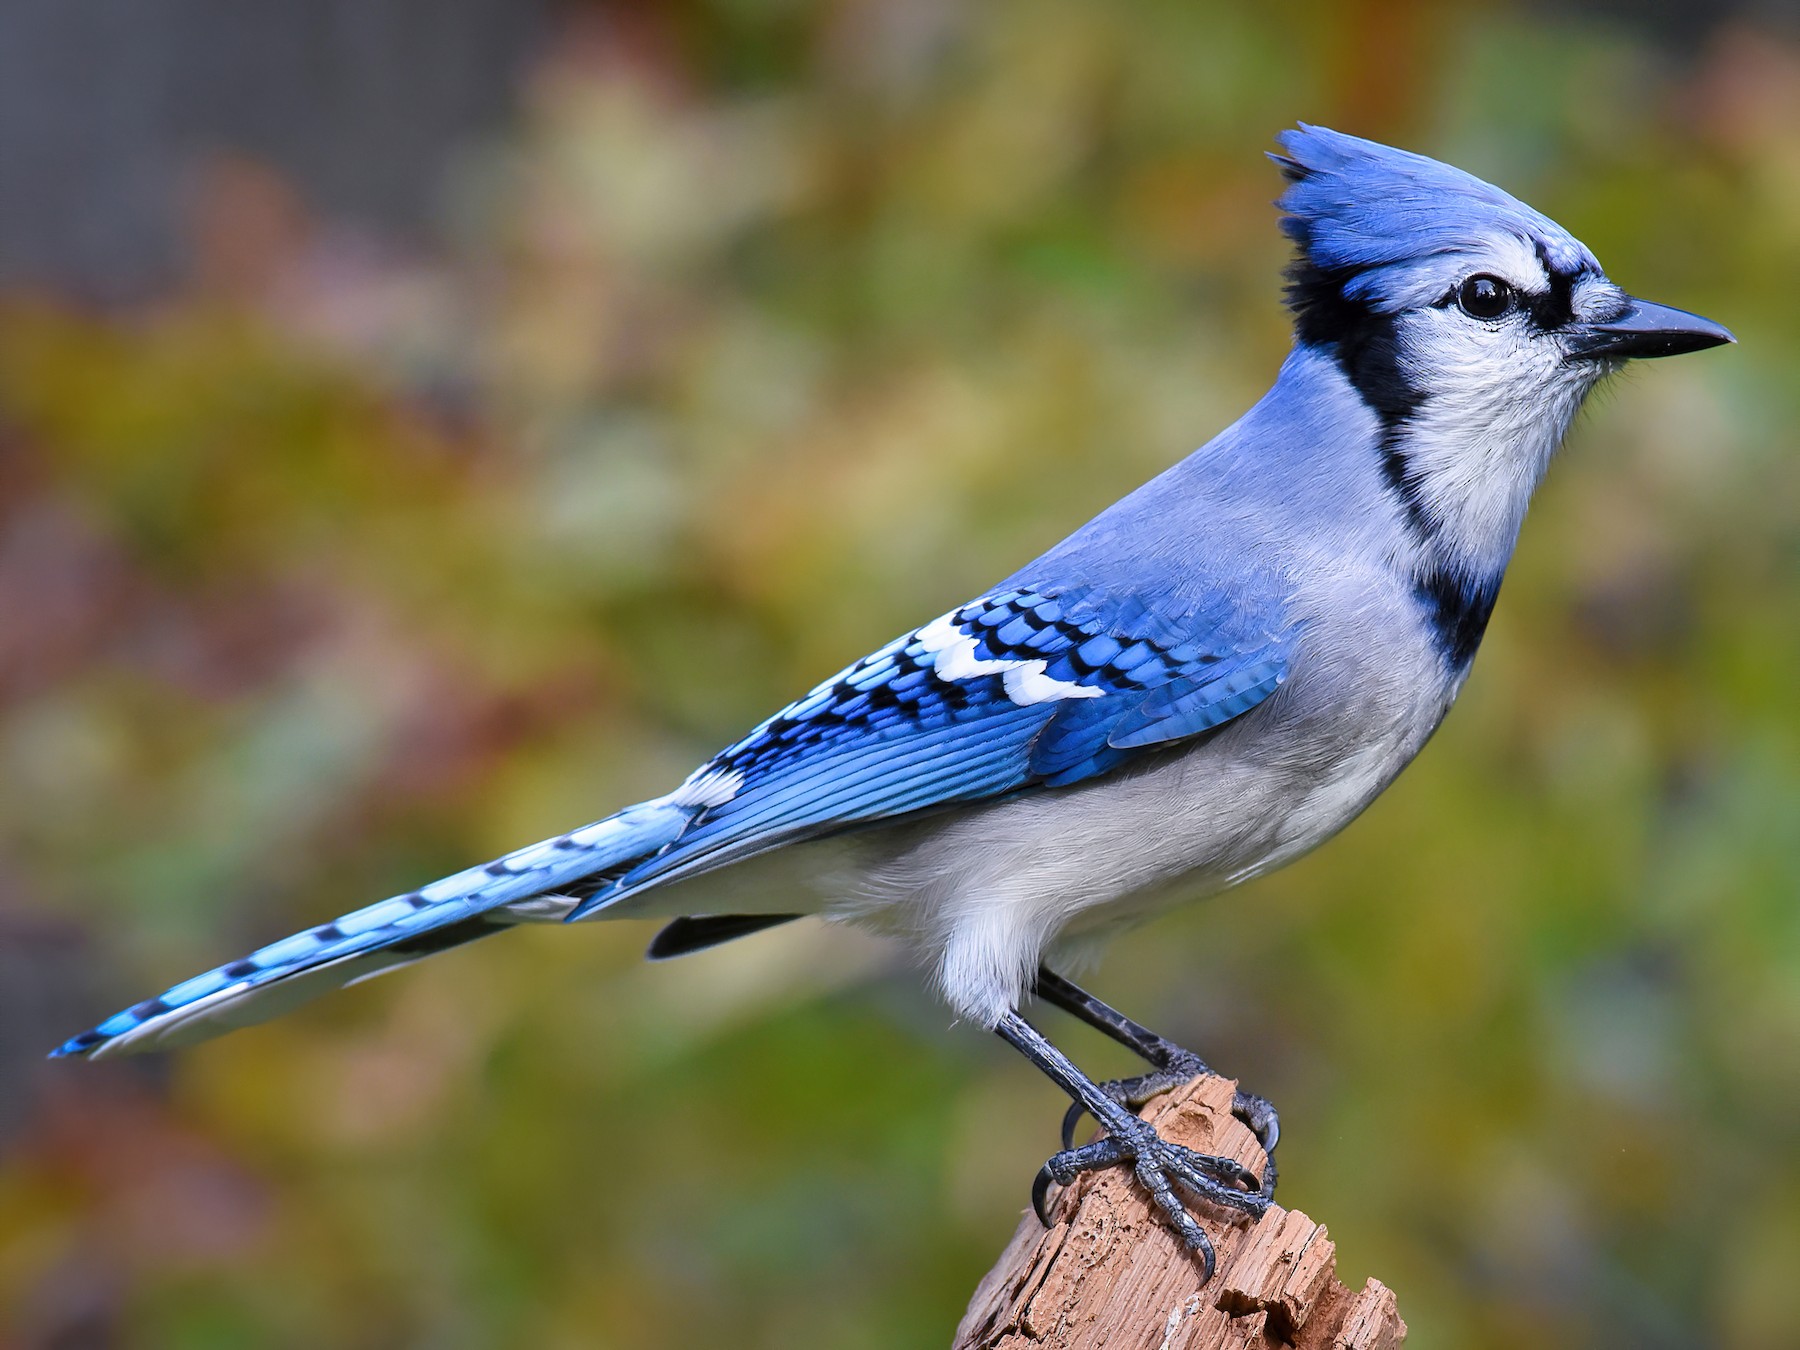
column 766, row 332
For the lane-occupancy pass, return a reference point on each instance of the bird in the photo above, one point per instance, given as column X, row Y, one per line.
column 1210, row 678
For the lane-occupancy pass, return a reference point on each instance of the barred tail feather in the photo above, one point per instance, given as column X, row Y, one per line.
column 522, row 887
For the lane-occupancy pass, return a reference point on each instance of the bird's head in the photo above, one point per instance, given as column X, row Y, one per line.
column 1470, row 324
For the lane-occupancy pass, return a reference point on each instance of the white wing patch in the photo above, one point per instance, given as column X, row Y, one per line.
column 539, row 909
column 708, row 787
column 954, row 658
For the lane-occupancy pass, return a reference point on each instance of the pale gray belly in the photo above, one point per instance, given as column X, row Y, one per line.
column 984, row 892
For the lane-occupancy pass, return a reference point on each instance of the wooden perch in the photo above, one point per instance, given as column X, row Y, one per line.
column 1110, row 1273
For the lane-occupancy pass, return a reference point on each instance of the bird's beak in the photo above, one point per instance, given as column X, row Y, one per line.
column 1645, row 329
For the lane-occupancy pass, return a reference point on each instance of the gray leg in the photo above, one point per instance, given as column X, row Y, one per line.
column 1160, row 1166
column 1174, row 1066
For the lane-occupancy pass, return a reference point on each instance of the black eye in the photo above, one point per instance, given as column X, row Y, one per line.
column 1484, row 297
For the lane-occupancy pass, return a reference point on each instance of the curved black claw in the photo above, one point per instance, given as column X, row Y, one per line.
column 1257, row 1113
column 1040, row 1195
column 1160, row 1168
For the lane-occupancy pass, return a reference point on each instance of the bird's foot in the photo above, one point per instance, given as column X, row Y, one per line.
column 1257, row 1113
column 1161, row 1169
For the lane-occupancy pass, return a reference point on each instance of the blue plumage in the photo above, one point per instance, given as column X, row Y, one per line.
column 1212, row 676
column 888, row 737
column 403, row 926
column 892, row 735
column 1369, row 215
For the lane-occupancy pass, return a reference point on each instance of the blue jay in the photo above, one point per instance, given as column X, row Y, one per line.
column 1211, row 677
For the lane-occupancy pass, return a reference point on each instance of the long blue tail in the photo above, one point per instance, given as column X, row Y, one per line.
column 531, row 884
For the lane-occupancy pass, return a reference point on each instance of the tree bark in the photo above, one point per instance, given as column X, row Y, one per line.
column 1110, row 1273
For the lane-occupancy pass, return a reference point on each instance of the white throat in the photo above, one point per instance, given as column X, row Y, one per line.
column 1475, row 450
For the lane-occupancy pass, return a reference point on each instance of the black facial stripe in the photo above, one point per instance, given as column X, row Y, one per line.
column 1397, row 469
column 1457, row 611
column 1549, row 312
column 1557, row 307
column 1545, row 312
column 1365, row 343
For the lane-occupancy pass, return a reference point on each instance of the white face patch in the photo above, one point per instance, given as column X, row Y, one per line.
column 1421, row 282
column 954, row 658
column 1498, row 397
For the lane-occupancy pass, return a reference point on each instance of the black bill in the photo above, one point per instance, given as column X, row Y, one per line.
column 1645, row 329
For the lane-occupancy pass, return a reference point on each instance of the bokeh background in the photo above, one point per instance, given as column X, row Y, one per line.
column 426, row 425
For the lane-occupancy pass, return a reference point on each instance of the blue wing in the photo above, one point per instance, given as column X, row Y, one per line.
column 1021, row 689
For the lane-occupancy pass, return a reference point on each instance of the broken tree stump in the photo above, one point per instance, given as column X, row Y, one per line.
column 1110, row 1273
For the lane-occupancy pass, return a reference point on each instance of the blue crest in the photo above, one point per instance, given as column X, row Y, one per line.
column 1355, row 208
